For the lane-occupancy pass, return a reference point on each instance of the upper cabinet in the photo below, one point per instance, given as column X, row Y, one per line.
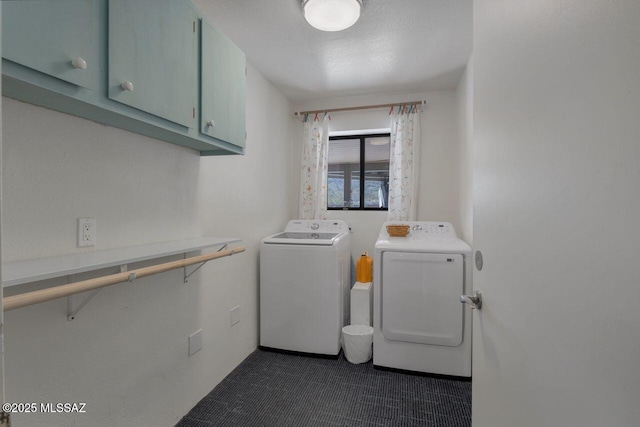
column 223, row 87
column 57, row 38
column 153, row 57
column 147, row 66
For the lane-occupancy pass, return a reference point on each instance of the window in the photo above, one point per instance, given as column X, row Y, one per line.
column 358, row 175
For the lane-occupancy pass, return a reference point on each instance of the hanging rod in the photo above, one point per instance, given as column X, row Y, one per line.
column 422, row 103
column 43, row 295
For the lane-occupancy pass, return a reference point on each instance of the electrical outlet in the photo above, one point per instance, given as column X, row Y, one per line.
column 234, row 315
column 195, row 342
column 86, row 232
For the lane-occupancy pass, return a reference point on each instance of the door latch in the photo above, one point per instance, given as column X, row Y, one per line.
column 474, row 302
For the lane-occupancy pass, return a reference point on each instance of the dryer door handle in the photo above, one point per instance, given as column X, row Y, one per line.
column 474, row 302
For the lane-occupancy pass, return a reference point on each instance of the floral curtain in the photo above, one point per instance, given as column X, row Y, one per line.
column 403, row 164
column 313, row 176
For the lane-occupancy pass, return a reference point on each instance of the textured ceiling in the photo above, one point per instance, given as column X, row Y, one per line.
column 396, row 46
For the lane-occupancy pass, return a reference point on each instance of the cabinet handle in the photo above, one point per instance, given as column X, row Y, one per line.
column 128, row 86
column 79, row 63
column 211, row 123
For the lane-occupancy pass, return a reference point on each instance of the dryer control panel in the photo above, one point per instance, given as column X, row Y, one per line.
column 423, row 229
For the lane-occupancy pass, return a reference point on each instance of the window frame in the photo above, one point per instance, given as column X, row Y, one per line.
column 362, row 137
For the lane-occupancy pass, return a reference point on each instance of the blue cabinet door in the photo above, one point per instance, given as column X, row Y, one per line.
column 222, row 87
column 57, row 38
column 153, row 57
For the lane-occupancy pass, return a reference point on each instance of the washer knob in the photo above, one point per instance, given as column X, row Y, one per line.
column 315, row 226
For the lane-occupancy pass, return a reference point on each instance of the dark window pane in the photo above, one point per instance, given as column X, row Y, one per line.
column 335, row 187
column 344, row 160
column 346, row 173
column 355, row 190
column 376, row 169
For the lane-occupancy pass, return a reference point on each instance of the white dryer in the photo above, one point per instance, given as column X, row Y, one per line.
column 419, row 323
column 304, row 287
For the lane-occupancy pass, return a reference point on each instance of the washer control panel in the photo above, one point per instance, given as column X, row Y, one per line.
column 318, row 226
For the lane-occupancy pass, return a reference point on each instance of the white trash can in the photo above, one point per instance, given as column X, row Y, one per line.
column 356, row 343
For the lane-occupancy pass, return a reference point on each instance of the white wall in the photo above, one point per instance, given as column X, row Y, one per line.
column 464, row 99
column 438, row 197
column 126, row 353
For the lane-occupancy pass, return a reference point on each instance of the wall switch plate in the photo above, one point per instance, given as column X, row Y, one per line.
column 234, row 315
column 86, row 232
column 195, row 342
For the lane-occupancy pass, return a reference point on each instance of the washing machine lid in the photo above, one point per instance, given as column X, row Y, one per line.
column 303, row 238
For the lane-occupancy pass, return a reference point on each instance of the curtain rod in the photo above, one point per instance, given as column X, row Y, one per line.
column 422, row 103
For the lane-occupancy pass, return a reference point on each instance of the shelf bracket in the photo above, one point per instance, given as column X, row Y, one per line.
column 186, row 276
column 73, row 311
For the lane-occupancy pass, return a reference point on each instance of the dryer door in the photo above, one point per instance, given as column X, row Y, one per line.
column 420, row 298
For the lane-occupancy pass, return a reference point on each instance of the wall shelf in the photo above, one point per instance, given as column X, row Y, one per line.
column 21, row 272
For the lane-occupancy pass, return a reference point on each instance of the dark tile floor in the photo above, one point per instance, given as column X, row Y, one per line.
column 275, row 389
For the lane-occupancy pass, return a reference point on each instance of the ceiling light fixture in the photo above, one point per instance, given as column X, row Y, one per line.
column 331, row 15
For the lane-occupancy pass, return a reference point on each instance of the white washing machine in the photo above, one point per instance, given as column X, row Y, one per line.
column 419, row 323
column 304, row 287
